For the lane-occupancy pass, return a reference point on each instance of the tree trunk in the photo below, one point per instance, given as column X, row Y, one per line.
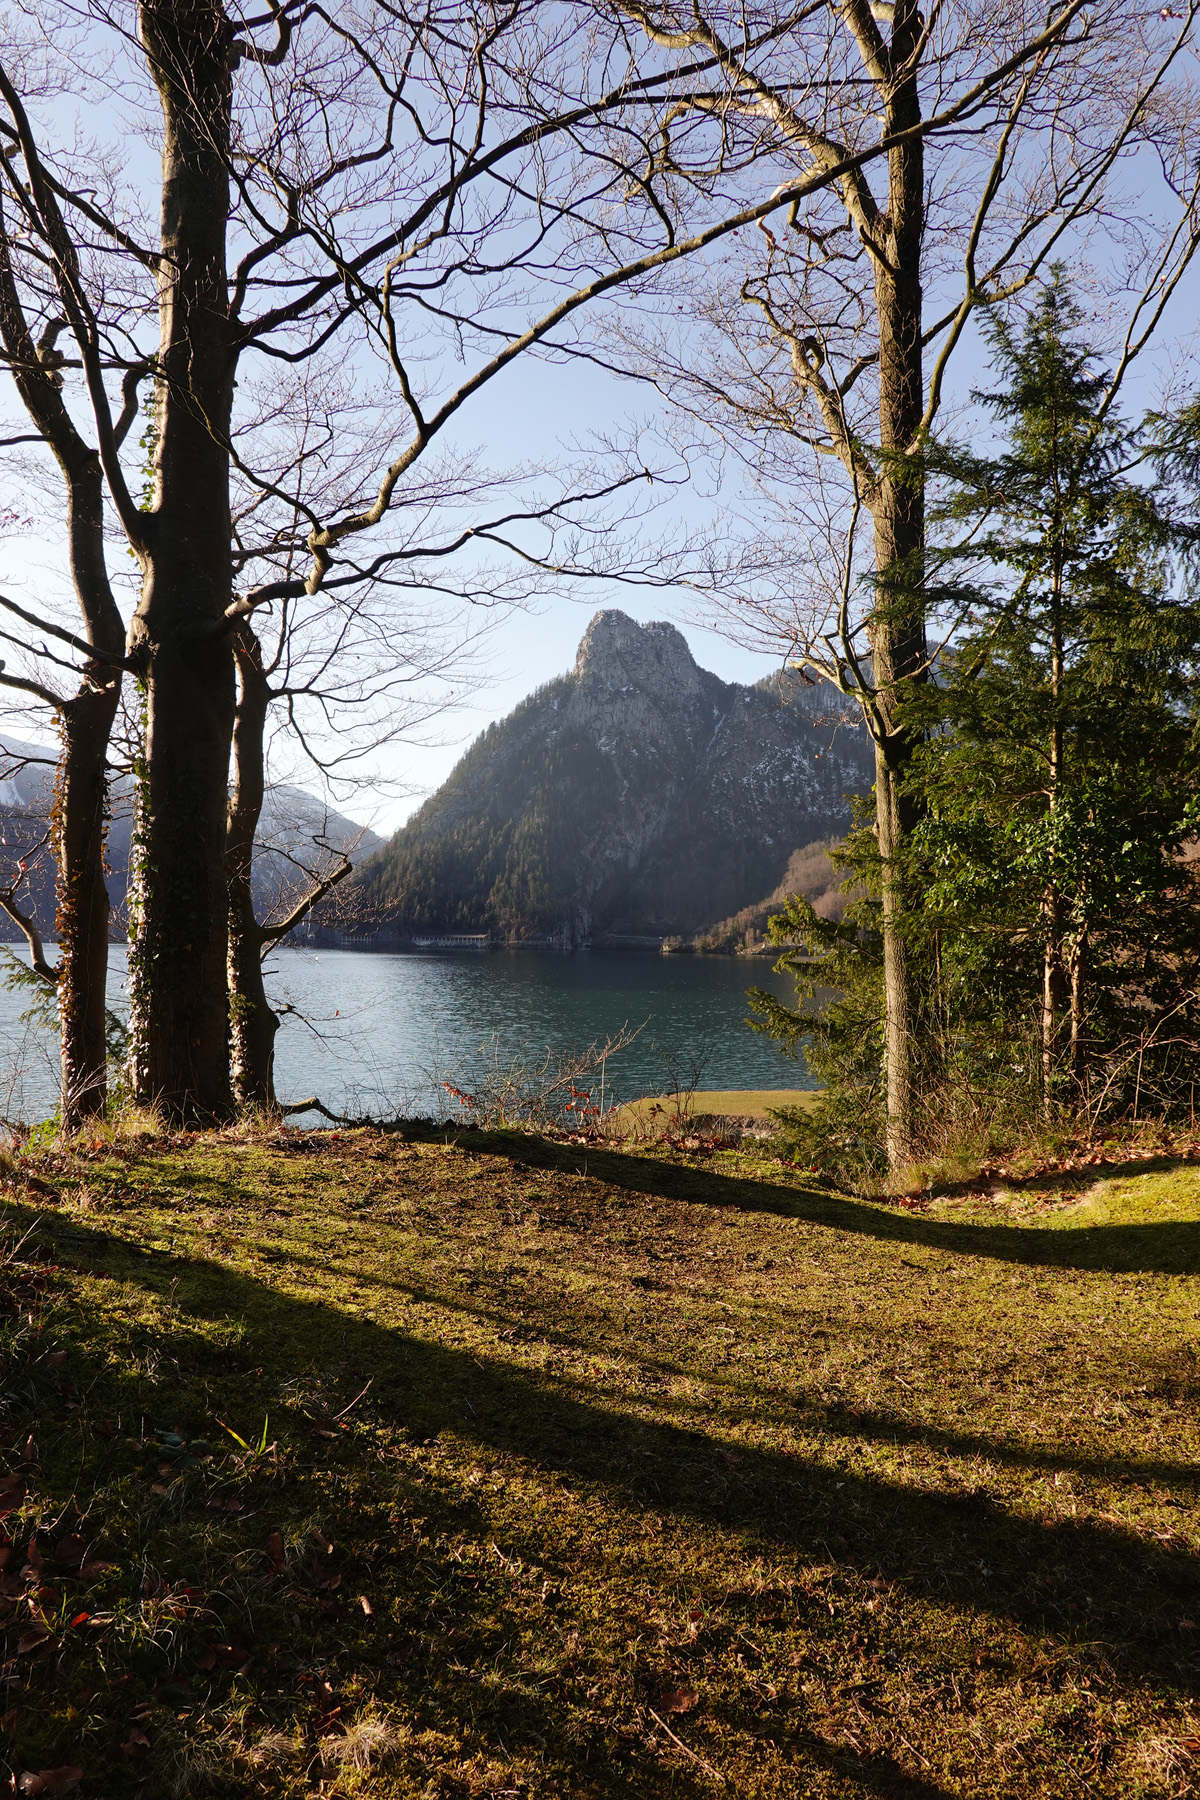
column 1054, row 976
column 179, row 636
column 1054, row 993
column 80, row 823
column 1078, row 1044
column 81, row 810
column 893, row 821
column 253, row 1024
column 898, row 510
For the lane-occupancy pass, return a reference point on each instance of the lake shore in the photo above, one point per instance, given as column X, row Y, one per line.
column 391, row 1033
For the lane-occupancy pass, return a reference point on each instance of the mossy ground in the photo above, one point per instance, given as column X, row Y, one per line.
column 669, row 1479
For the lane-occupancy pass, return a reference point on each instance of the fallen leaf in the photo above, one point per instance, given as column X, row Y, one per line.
column 33, row 1639
column 275, row 1550
column 680, row 1700
column 230, row 1656
column 321, row 1541
column 90, row 1570
column 365, row 1604
column 49, row 1782
column 70, row 1551
column 80, row 1619
column 134, row 1744
column 172, row 1687
column 55, row 1359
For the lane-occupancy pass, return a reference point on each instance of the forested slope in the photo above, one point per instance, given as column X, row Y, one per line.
column 294, row 824
column 637, row 794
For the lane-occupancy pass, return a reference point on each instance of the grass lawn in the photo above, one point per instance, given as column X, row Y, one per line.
column 742, row 1103
column 336, row 1463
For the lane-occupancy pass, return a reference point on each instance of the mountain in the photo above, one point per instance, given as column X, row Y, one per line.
column 810, row 872
column 639, row 795
column 291, row 820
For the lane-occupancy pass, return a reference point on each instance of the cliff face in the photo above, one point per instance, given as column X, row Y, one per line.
column 638, row 794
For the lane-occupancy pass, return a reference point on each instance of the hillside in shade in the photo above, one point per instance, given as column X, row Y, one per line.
column 292, row 823
column 639, row 795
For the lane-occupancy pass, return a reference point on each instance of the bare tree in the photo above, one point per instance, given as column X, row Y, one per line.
column 79, row 815
column 417, row 185
column 437, row 192
column 85, row 717
column 819, row 354
column 367, row 661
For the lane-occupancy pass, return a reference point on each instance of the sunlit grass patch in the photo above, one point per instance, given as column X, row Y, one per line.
column 734, row 1103
column 1153, row 1196
column 492, row 1466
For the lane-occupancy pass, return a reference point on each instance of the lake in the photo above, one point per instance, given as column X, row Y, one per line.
column 381, row 1032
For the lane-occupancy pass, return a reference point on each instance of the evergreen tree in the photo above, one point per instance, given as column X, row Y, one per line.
column 1060, row 751
column 1056, row 780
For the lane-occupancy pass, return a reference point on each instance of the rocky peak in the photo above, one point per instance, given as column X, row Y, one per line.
column 618, row 654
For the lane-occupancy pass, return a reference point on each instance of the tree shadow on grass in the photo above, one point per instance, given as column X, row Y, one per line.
column 1167, row 1249
column 1069, row 1180
column 832, row 1417
column 1082, row 1579
column 452, row 1670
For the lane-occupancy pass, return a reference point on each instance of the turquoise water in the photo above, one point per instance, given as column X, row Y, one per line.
column 381, row 1032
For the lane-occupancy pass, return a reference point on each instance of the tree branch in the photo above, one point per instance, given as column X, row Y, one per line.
column 33, row 937
column 271, row 934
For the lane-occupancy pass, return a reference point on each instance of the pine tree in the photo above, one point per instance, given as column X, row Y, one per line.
column 1060, row 755
column 1057, row 777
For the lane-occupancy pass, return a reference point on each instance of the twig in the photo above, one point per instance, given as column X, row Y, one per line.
column 923, row 1760
column 354, row 1402
column 10, row 1256
column 699, row 1760
column 8, row 900
column 312, row 1104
